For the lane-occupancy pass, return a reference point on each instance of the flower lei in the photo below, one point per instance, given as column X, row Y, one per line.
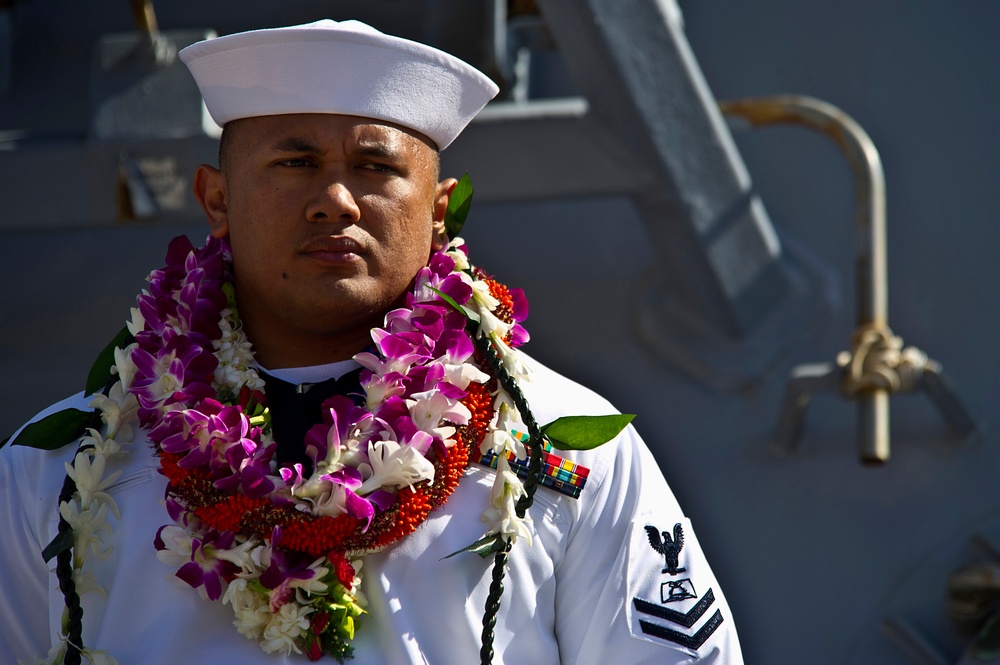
column 283, row 546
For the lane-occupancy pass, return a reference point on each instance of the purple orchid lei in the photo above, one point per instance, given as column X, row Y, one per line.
column 188, row 379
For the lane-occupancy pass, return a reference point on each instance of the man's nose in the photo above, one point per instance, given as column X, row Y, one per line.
column 333, row 201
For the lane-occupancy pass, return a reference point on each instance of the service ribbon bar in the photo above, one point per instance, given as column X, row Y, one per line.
column 558, row 474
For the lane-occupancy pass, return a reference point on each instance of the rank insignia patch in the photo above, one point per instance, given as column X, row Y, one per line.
column 665, row 575
column 663, row 623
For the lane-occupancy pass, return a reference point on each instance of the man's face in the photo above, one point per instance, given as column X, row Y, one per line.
column 329, row 218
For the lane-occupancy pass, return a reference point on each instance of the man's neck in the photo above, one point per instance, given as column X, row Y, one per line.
column 303, row 350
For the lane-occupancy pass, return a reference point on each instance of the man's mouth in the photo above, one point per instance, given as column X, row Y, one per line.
column 333, row 249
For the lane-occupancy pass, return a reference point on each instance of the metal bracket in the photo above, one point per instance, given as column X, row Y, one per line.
column 140, row 90
column 877, row 365
column 869, row 373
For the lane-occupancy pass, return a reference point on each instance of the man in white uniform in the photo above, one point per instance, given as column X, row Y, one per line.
column 328, row 195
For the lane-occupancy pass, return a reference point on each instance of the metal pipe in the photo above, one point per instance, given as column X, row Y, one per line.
column 144, row 17
column 152, row 46
column 871, row 275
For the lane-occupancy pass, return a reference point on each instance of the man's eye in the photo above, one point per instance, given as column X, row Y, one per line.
column 297, row 162
column 378, row 168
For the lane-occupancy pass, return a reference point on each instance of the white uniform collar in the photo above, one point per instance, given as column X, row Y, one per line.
column 313, row 373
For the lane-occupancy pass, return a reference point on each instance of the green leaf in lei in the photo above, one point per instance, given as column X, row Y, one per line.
column 459, row 204
column 987, row 644
column 57, row 430
column 585, row 432
column 62, row 542
column 471, row 315
column 486, row 546
column 100, row 372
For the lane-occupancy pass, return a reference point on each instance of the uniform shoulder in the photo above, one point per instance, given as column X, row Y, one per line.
column 551, row 395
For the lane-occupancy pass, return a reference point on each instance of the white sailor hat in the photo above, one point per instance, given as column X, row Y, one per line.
column 347, row 68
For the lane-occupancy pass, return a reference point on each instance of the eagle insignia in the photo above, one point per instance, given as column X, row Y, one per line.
column 669, row 547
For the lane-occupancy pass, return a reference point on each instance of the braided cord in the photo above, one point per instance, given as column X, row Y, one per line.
column 64, row 573
column 508, row 383
column 493, row 604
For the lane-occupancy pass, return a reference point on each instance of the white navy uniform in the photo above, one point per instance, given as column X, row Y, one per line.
column 604, row 580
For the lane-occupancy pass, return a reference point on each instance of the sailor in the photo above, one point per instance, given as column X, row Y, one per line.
column 303, row 418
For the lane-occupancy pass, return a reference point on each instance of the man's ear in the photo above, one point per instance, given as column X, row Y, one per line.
column 210, row 190
column 442, row 194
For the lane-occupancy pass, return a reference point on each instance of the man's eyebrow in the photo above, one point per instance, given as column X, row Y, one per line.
column 376, row 149
column 295, row 144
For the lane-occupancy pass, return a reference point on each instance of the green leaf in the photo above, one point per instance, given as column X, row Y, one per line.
column 987, row 644
column 468, row 313
column 458, row 207
column 100, row 373
column 585, row 432
column 57, row 430
column 62, row 542
column 489, row 544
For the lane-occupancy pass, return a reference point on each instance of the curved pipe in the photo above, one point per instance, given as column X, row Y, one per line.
column 871, row 279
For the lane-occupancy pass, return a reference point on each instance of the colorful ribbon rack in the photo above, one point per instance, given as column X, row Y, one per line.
column 558, row 474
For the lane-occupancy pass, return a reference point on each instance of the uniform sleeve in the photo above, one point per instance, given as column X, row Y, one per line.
column 634, row 586
column 24, row 576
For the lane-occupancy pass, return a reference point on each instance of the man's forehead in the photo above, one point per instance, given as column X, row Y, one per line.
column 285, row 131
